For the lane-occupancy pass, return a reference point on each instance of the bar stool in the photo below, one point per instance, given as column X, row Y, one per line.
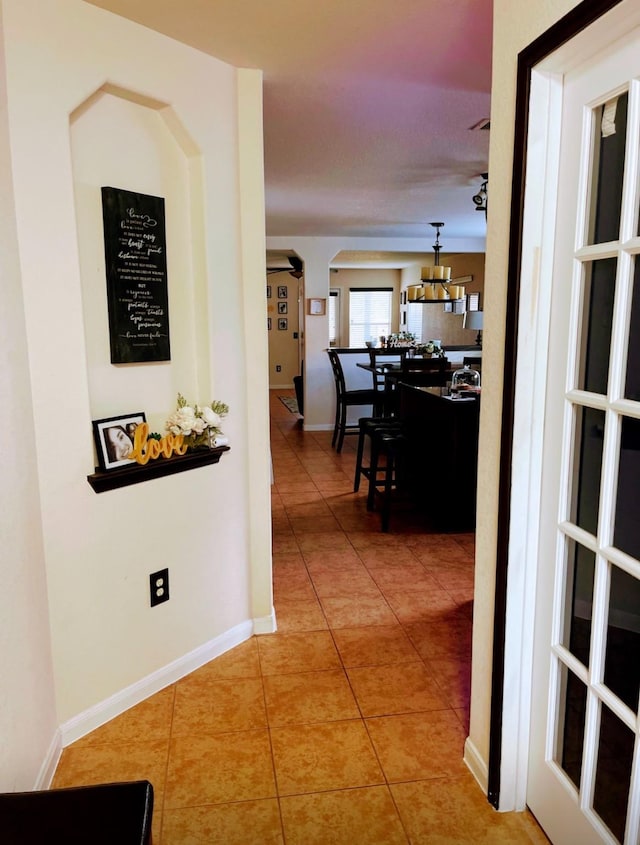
column 366, row 427
column 384, row 478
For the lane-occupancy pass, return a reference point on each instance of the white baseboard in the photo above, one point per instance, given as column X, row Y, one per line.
column 50, row 763
column 97, row 715
column 322, row 427
column 265, row 624
column 476, row 765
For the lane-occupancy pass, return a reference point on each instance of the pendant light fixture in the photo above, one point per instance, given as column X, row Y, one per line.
column 437, row 285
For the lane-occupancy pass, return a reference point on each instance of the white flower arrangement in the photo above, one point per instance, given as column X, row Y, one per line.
column 198, row 424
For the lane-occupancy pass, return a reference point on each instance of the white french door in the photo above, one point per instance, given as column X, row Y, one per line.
column 584, row 770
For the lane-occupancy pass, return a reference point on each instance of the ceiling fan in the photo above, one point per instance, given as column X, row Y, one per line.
column 286, row 264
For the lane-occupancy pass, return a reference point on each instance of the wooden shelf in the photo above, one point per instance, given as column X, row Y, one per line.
column 136, row 473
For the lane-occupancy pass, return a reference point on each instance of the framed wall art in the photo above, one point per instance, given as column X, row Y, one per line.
column 282, row 308
column 317, row 307
column 283, row 324
column 282, row 291
column 114, row 439
column 135, row 248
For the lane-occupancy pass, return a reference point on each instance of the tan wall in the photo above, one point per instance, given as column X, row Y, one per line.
column 344, row 279
column 283, row 346
column 449, row 327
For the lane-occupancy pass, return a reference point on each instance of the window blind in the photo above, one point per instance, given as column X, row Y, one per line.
column 415, row 314
column 334, row 313
column 369, row 314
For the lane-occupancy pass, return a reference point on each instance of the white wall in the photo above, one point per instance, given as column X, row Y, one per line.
column 516, row 24
column 171, row 128
column 27, row 706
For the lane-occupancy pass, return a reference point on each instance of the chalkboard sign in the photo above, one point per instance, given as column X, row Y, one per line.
column 135, row 247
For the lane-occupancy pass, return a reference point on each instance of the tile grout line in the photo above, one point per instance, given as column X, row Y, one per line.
column 273, row 760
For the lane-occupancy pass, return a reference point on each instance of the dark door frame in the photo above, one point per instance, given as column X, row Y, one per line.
column 582, row 16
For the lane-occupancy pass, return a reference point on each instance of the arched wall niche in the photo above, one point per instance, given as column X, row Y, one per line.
column 127, row 140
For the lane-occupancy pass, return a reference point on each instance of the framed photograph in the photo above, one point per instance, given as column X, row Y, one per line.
column 268, row 291
column 282, row 308
column 268, row 324
column 473, row 302
column 283, row 324
column 114, row 439
column 317, row 307
column 282, row 291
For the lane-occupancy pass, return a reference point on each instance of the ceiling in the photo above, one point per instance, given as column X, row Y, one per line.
column 368, row 106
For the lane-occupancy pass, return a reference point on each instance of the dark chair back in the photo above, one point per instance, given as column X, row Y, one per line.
column 474, row 362
column 353, row 391
column 347, row 358
column 425, row 372
column 338, row 373
column 385, row 356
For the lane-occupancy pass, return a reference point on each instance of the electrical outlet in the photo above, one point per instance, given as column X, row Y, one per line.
column 278, row 368
column 159, row 586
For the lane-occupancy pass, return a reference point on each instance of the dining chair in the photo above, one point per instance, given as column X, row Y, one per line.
column 474, row 361
column 421, row 372
column 385, row 356
column 348, row 396
column 377, row 359
column 424, row 372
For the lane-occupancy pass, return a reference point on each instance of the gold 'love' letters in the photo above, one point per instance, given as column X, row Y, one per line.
column 145, row 450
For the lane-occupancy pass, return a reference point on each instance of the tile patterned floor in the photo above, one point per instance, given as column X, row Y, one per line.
column 346, row 727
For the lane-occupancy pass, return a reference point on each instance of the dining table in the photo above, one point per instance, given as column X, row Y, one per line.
column 393, row 371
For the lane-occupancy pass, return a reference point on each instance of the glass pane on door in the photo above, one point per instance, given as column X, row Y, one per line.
column 576, row 635
column 613, row 772
column 608, row 172
column 572, row 712
column 589, row 440
column 622, row 655
column 597, row 318
column 632, row 385
column 627, row 523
